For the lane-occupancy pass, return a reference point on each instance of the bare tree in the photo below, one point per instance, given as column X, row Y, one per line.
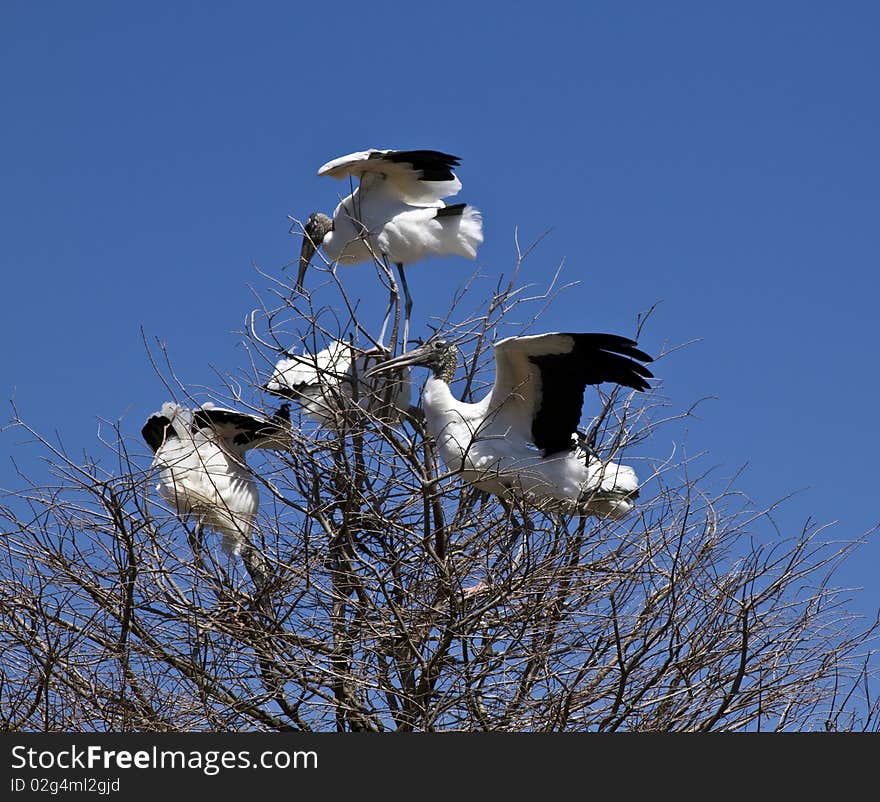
column 694, row 613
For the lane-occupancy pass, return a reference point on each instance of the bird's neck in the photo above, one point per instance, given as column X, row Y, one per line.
column 445, row 372
column 440, row 406
column 437, row 390
column 437, row 397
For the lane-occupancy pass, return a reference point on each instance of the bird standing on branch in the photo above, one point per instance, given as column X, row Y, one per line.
column 522, row 438
column 200, row 455
column 396, row 213
column 328, row 384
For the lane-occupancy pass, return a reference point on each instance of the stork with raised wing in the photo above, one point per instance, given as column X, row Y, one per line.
column 332, row 384
column 396, row 213
column 522, row 439
column 200, row 455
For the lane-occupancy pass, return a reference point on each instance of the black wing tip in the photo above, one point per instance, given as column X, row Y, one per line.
column 252, row 428
column 636, row 375
column 423, row 154
column 211, row 417
column 607, row 341
column 628, row 372
column 615, row 343
column 640, row 384
column 434, row 165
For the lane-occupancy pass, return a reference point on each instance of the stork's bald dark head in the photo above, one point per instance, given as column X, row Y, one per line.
column 439, row 356
column 316, row 228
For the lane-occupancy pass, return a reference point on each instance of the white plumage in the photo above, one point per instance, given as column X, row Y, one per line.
column 521, row 438
column 328, row 384
column 395, row 213
column 200, row 455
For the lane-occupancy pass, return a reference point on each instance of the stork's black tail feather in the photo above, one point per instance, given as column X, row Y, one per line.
column 452, row 210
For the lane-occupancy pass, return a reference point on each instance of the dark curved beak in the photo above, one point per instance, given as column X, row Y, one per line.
column 305, row 256
column 409, row 359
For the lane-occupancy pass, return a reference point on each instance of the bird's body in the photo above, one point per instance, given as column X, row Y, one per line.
column 374, row 222
column 327, row 384
column 200, row 455
column 480, row 445
column 396, row 213
column 521, row 438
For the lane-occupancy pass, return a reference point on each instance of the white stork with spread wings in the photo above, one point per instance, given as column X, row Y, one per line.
column 522, row 438
column 395, row 213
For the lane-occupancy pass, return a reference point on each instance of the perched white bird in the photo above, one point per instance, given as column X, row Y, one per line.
column 327, row 384
column 200, row 455
column 395, row 213
column 521, row 438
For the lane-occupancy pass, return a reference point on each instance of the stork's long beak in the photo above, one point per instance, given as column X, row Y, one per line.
column 305, row 256
column 415, row 357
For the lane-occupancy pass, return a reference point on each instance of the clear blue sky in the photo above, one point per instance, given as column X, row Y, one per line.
column 722, row 159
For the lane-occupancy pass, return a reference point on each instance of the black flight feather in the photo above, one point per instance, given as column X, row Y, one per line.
column 432, row 164
column 593, row 359
column 250, row 429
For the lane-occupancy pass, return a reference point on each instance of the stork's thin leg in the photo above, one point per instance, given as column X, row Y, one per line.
column 387, row 318
column 393, row 299
column 407, row 308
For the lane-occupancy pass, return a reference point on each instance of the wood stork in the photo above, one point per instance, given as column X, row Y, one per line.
column 329, row 383
column 521, row 439
column 395, row 213
column 200, row 455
